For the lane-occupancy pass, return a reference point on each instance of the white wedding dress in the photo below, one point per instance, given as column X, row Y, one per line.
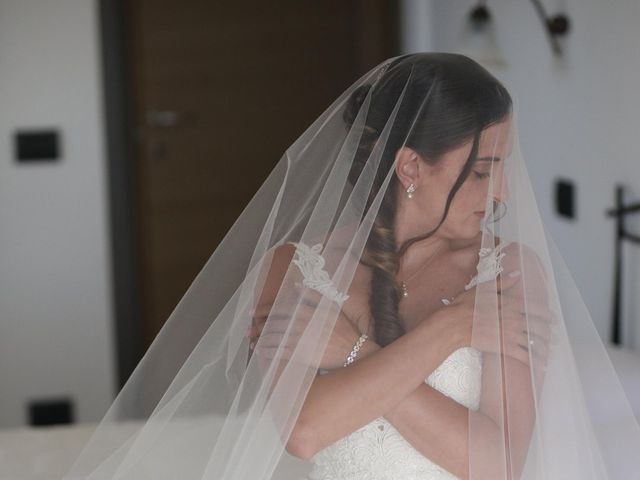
column 378, row 451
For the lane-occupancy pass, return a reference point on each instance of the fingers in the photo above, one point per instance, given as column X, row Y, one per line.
column 529, row 305
column 273, row 352
column 534, row 344
column 533, row 325
column 295, row 295
column 533, row 355
column 535, row 318
column 277, row 340
column 276, row 325
column 266, row 312
column 525, row 356
column 535, row 329
column 284, row 316
column 507, row 280
column 523, row 342
column 518, row 353
column 273, row 324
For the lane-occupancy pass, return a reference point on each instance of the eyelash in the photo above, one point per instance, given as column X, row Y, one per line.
column 482, row 175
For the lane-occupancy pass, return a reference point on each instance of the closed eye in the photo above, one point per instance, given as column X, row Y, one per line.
column 482, row 174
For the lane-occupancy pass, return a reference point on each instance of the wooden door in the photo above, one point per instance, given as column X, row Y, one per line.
column 219, row 91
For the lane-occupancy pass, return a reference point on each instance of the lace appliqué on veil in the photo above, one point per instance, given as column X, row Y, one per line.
column 489, row 266
column 311, row 264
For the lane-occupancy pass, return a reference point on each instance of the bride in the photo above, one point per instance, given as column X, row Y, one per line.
column 388, row 306
column 427, row 235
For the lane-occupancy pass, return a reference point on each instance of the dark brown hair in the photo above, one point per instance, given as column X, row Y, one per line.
column 448, row 100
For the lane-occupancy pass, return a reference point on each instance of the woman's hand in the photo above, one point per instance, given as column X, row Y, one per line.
column 270, row 326
column 502, row 321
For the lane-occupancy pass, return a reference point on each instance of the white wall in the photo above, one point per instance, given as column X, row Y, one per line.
column 416, row 32
column 579, row 118
column 55, row 297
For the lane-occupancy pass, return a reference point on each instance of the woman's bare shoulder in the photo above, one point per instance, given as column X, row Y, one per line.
column 519, row 255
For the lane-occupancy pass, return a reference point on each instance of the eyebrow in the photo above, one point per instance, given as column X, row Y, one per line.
column 488, row 159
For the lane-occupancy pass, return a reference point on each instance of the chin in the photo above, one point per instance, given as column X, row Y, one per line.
column 471, row 233
column 464, row 236
column 473, row 236
column 470, row 230
column 464, row 231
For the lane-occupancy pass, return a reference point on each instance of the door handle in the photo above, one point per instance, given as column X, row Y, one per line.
column 164, row 118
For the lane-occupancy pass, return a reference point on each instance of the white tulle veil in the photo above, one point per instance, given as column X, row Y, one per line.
column 200, row 405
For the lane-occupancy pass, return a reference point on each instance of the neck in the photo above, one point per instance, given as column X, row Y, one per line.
column 405, row 229
column 422, row 250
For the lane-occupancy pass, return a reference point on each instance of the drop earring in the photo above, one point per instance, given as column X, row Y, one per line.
column 410, row 189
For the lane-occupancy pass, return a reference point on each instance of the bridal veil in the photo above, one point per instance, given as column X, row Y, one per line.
column 201, row 404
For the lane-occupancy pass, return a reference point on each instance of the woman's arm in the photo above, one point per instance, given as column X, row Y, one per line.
column 345, row 399
column 438, row 426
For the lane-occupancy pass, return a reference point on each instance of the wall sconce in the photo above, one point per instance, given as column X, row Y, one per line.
column 478, row 39
column 556, row 26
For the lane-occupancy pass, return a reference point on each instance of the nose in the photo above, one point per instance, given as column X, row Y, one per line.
column 500, row 188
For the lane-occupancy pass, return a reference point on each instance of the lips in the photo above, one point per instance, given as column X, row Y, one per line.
column 480, row 214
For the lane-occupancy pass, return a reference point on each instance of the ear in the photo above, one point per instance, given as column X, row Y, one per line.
column 409, row 166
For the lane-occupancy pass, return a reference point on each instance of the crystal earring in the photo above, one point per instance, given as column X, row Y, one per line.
column 410, row 189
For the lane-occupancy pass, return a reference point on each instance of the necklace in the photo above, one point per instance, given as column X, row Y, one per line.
column 403, row 283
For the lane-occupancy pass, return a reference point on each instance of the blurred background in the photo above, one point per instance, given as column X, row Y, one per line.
column 134, row 132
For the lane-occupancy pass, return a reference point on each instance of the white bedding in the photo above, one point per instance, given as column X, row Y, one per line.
column 48, row 452
column 40, row 453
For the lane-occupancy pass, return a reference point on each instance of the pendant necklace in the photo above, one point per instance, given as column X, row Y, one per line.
column 403, row 283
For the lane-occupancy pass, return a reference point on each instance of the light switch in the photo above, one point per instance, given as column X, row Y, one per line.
column 37, row 145
column 565, row 198
column 53, row 411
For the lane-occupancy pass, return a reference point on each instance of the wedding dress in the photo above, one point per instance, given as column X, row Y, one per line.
column 421, row 150
column 377, row 451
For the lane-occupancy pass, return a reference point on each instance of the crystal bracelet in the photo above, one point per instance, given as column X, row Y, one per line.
column 356, row 348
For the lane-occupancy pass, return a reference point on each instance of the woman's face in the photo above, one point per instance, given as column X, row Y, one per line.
column 485, row 183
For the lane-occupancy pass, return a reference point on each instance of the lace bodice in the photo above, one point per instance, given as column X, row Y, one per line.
column 378, row 451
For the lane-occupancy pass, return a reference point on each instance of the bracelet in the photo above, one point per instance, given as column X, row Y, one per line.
column 356, row 348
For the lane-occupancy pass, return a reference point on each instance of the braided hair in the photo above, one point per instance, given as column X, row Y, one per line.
column 448, row 100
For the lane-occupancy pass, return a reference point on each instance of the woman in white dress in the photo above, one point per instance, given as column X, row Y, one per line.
column 419, row 242
column 387, row 307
